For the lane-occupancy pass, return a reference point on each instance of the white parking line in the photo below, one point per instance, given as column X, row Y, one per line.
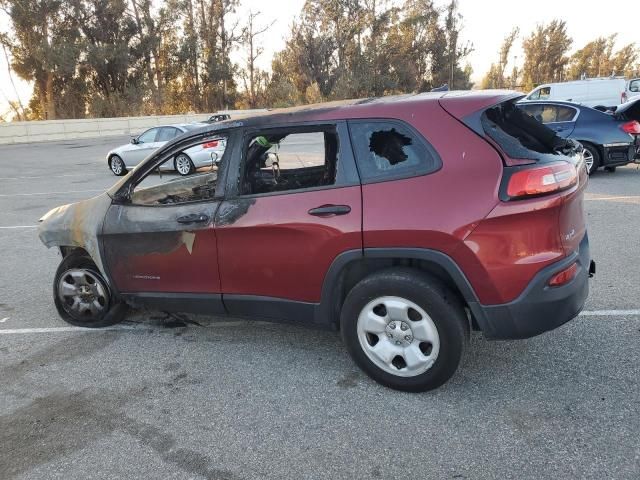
column 609, row 313
column 13, row 331
column 141, row 326
column 18, row 226
column 47, row 193
column 4, row 319
column 52, row 176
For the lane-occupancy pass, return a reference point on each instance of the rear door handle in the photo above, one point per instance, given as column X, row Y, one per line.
column 330, row 210
column 193, row 218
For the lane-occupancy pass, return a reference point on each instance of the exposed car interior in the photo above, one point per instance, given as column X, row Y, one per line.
column 158, row 188
column 513, row 129
column 179, row 190
column 275, row 163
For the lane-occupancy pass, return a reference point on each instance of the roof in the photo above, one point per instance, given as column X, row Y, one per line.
column 373, row 105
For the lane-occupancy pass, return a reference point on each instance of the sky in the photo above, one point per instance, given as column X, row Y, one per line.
column 485, row 24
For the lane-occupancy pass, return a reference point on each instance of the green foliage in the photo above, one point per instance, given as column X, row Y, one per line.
column 546, row 54
column 127, row 57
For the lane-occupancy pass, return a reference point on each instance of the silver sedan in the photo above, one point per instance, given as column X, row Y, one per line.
column 127, row 156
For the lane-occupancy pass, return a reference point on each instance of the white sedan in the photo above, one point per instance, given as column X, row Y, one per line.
column 127, row 156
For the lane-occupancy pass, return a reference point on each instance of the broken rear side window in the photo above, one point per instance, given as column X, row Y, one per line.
column 389, row 150
column 520, row 135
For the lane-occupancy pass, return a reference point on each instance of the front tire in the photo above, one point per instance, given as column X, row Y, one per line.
column 117, row 166
column 404, row 329
column 183, row 164
column 82, row 296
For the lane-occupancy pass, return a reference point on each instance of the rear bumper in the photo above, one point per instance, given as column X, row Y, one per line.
column 619, row 154
column 539, row 308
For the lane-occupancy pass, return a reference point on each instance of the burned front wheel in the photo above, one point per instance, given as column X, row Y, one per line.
column 82, row 296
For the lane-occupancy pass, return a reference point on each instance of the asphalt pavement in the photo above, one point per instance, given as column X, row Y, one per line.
column 157, row 397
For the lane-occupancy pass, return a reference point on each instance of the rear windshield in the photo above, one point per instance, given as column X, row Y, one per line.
column 519, row 134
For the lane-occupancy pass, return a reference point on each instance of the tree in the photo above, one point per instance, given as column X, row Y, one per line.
column 597, row 59
column 546, row 54
column 252, row 76
column 458, row 77
column 45, row 51
column 495, row 77
column 112, row 57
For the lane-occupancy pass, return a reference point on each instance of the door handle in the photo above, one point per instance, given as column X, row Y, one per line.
column 193, row 218
column 330, row 210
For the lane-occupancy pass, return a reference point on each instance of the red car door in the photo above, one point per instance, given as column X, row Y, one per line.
column 160, row 246
column 297, row 207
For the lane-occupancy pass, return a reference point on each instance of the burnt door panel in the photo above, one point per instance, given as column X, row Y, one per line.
column 162, row 248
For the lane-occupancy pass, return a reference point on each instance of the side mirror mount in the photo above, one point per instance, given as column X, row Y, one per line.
column 135, row 141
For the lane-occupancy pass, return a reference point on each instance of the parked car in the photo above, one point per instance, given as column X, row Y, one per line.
column 609, row 140
column 629, row 112
column 218, row 117
column 631, row 90
column 125, row 157
column 592, row 92
column 402, row 221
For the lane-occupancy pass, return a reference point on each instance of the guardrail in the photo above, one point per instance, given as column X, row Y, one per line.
column 51, row 130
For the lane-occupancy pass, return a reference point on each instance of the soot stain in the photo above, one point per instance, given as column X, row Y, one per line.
column 60, row 424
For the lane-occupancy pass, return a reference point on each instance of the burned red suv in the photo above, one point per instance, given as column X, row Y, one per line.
column 403, row 222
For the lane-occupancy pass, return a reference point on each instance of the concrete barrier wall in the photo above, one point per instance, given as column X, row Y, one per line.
column 50, row 130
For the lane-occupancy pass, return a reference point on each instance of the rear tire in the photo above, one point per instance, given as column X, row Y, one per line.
column 82, row 296
column 117, row 166
column 405, row 329
column 592, row 157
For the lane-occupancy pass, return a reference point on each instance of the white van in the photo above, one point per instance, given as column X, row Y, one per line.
column 632, row 90
column 606, row 92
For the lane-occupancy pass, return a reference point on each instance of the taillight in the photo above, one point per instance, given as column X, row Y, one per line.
column 549, row 178
column 564, row 277
column 632, row 127
column 213, row 144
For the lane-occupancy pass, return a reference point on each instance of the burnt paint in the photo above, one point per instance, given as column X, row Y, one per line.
column 147, row 250
column 230, row 211
column 76, row 225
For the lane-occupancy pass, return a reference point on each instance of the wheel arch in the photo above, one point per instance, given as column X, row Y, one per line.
column 65, row 251
column 352, row 266
column 595, row 145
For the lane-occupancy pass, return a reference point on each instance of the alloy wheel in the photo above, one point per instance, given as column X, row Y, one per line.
column 183, row 164
column 83, row 294
column 588, row 159
column 116, row 165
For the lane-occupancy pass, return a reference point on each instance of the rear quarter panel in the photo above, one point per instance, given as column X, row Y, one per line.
column 439, row 210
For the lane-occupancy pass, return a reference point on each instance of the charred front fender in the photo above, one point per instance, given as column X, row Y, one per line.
column 76, row 225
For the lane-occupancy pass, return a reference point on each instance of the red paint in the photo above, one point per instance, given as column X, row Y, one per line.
column 277, row 249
